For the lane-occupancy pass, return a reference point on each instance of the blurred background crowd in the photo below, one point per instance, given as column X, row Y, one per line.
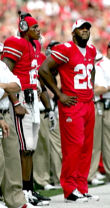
column 56, row 18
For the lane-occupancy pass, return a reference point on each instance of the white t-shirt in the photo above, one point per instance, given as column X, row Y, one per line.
column 102, row 77
column 6, row 76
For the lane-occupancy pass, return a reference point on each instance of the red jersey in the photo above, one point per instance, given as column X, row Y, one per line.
column 27, row 59
column 75, row 69
column 42, row 57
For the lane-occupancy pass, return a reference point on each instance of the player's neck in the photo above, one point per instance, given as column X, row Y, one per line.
column 79, row 42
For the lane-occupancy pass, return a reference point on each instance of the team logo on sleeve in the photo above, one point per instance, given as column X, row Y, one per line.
column 68, row 45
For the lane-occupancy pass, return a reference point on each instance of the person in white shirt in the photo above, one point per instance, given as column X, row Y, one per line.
column 102, row 121
column 10, row 176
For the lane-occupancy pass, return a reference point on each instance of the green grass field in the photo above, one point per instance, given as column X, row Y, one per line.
column 50, row 193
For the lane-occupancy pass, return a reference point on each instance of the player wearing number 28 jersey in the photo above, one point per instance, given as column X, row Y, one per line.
column 75, row 68
column 74, row 61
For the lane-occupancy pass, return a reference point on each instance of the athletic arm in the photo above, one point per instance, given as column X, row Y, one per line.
column 9, row 62
column 93, row 75
column 45, row 72
column 11, row 87
column 44, row 97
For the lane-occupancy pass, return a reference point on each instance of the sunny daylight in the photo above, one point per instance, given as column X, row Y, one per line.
column 54, row 103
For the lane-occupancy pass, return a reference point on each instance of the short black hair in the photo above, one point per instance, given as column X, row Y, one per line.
column 52, row 43
column 24, row 14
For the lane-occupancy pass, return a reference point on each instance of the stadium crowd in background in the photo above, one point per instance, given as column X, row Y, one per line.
column 56, row 15
column 56, row 18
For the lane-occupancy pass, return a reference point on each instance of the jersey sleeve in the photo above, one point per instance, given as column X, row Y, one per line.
column 60, row 53
column 13, row 48
column 99, row 76
column 94, row 51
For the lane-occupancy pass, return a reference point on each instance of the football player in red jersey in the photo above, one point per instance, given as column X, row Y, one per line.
column 23, row 57
column 74, row 61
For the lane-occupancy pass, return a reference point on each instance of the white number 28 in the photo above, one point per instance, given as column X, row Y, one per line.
column 86, row 73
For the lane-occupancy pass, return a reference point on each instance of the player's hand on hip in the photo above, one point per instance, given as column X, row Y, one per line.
column 68, row 100
column 20, row 111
